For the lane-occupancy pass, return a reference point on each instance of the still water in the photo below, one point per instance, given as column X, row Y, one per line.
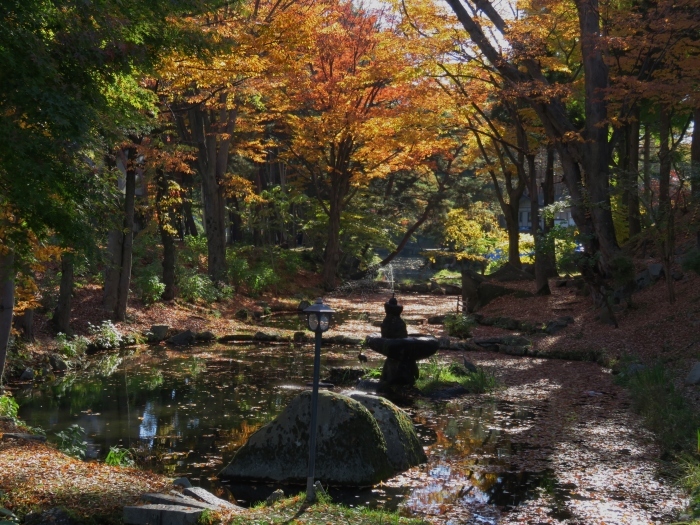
column 187, row 412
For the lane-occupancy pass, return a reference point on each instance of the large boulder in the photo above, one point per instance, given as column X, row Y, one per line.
column 351, row 449
column 403, row 446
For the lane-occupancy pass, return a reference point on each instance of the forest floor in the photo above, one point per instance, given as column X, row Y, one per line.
column 604, row 464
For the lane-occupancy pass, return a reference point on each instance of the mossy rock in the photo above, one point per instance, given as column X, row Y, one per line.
column 403, row 446
column 351, row 449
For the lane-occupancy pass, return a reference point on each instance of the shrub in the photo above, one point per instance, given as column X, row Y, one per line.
column 150, row 289
column 8, row 407
column 119, row 457
column 459, row 325
column 72, row 441
column 194, row 286
column 106, row 335
column 662, row 407
column 71, row 347
column 195, row 249
column 237, row 268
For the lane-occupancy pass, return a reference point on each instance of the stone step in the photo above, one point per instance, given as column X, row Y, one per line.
column 179, row 499
column 207, row 497
column 161, row 515
column 26, row 437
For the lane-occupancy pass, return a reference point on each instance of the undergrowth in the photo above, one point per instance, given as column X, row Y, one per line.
column 676, row 427
column 296, row 510
column 459, row 325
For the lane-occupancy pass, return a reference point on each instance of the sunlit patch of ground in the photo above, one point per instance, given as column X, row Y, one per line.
column 37, row 475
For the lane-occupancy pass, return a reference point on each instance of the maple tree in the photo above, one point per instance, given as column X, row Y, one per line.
column 354, row 111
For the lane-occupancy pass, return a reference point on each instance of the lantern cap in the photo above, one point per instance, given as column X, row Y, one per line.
column 319, row 308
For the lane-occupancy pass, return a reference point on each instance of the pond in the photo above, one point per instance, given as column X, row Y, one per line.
column 188, row 412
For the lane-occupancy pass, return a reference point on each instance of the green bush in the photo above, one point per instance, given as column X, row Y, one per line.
column 72, row 441
column 71, row 347
column 237, row 268
column 194, row 286
column 459, row 325
column 195, row 248
column 8, row 407
column 119, row 457
column 106, row 335
column 150, row 288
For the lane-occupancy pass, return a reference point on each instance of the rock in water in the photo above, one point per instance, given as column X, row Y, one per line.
column 351, row 449
column 403, row 446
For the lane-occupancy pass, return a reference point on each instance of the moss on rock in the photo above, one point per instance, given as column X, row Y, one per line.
column 403, row 446
column 351, row 449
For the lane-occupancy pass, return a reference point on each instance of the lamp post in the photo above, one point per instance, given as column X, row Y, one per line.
column 318, row 318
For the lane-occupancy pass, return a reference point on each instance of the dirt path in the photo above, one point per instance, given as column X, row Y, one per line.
column 600, row 465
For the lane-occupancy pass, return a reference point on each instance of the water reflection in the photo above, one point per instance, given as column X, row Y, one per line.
column 187, row 412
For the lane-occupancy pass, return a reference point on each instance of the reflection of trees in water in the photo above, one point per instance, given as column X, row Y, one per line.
column 466, row 452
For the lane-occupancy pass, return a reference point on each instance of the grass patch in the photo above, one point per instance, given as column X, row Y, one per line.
column 373, row 373
column 676, row 427
column 295, row 510
column 446, row 276
column 435, row 375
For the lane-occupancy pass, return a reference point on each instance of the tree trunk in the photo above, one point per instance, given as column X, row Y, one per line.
column 165, row 215
column 213, row 140
column 169, row 257
column 7, row 303
column 128, row 244
column 596, row 160
column 235, row 222
column 115, row 241
column 632, row 187
column 61, row 315
column 513, row 228
column 548, row 246
column 541, row 279
column 665, row 212
column 331, row 255
column 25, row 324
column 695, row 169
column 190, row 226
column 648, row 204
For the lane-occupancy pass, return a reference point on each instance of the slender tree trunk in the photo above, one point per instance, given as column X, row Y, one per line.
column 235, row 222
column 169, row 258
column 632, row 188
column 7, row 303
column 190, row 225
column 115, row 240
column 549, row 253
column 165, row 215
column 648, row 198
column 695, row 170
column 513, row 228
column 128, row 244
column 665, row 212
column 61, row 316
column 24, row 323
column 407, row 236
column 541, row 279
column 331, row 255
